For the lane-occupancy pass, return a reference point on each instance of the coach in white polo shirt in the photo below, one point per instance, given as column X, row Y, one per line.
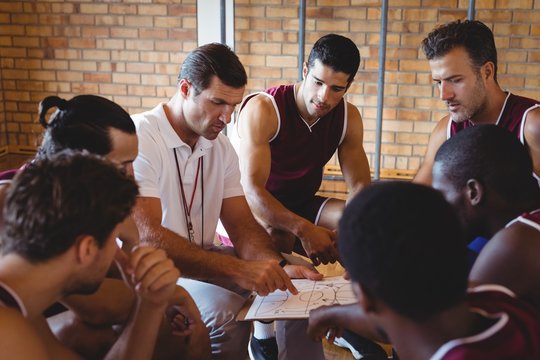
column 189, row 178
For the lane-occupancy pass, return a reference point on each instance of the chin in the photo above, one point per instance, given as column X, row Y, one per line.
column 211, row 136
column 457, row 118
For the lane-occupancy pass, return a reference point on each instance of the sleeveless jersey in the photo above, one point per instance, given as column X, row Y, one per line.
column 530, row 218
column 300, row 151
column 514, row 334
column 511, row 118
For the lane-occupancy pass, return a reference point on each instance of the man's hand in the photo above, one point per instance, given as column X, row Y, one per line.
column 129, row 234
column 320, row 244
column 302, row 272
column 263, row 277
column 182, row 312
column 150, row 273
column 321, row 324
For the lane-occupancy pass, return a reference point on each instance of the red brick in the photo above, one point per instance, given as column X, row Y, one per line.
column 181, row 34
column 97, row 77
column 181, row 10
column 94, row 8
column 96, row 32
column 124, row 33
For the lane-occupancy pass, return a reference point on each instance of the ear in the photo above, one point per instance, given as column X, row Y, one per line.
column 305, row 70
column 183, row 87
column 474, row 191
column 488, row 70
column 86, row 249
column 365, row 301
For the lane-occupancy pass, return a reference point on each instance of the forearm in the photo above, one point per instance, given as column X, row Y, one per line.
column 272, row 212
column 110, row 305
column 423, row 176
column 193, row 261
column 138, row 339
column 253, row 243
column 350, row 317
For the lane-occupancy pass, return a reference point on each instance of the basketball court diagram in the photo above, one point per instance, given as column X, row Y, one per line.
column 311, row 295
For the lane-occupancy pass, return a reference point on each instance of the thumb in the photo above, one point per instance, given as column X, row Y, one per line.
column 122, row 261
column 311, row 274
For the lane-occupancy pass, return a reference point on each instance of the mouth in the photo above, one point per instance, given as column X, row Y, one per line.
column 452, row 107
column 218, row 128
column 319, row 106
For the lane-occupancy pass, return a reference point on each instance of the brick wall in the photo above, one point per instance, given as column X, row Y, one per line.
column 266, row 40
column 130, row 51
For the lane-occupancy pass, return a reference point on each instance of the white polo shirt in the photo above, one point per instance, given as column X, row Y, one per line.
column 157, row 176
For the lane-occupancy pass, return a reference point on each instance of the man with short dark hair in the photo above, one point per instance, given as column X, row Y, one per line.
column 65, row 245
column 485, row 173
column 408, row 267
column 189, row 179
column 286, row 135
column 463, row 60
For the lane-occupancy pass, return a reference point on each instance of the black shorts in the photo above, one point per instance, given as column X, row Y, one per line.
column 310, row 209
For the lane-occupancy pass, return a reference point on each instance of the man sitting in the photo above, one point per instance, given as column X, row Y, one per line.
column 61, row 219
column 405, row 251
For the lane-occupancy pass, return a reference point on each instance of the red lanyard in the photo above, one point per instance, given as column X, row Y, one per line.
column 187, row 209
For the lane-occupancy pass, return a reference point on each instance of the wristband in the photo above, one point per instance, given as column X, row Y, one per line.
column 283, row 263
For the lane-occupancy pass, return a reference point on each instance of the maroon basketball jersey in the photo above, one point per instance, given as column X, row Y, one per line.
column 514, row 333
column 8, row 175
column 512, row 116
column 299, row 151
column 529, row 218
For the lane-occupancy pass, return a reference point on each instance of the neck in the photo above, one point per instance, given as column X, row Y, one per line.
column 499, row 216
column 494, row 105
column 38, row 285
column 420, row 340
column 175, row 115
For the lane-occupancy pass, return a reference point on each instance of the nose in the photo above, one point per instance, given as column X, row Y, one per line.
column 129, row 169
column 323, row 93
column 225, row 116
column 446, row 92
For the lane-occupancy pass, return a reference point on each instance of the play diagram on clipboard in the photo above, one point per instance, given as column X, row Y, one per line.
column 311, row 295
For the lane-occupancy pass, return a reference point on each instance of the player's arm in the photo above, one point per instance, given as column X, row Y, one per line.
column 152, row 275
column 352, row 157
column 510, row 259
column 437, row 138
column 99, row 308
column 532, row 137
column 129, row 234
column 257, row 123
column 334, row 319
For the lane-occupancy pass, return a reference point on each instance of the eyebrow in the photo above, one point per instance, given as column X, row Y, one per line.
column 447, row 78
column 223, row 101
column 334, row 86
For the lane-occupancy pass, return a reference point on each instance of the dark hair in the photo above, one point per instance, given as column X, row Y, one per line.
column 55, row 200
column 473, row 35
column 403, row 243
column 82, row 123
column 211, row 60
column 338, row 52
column 494, row 157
